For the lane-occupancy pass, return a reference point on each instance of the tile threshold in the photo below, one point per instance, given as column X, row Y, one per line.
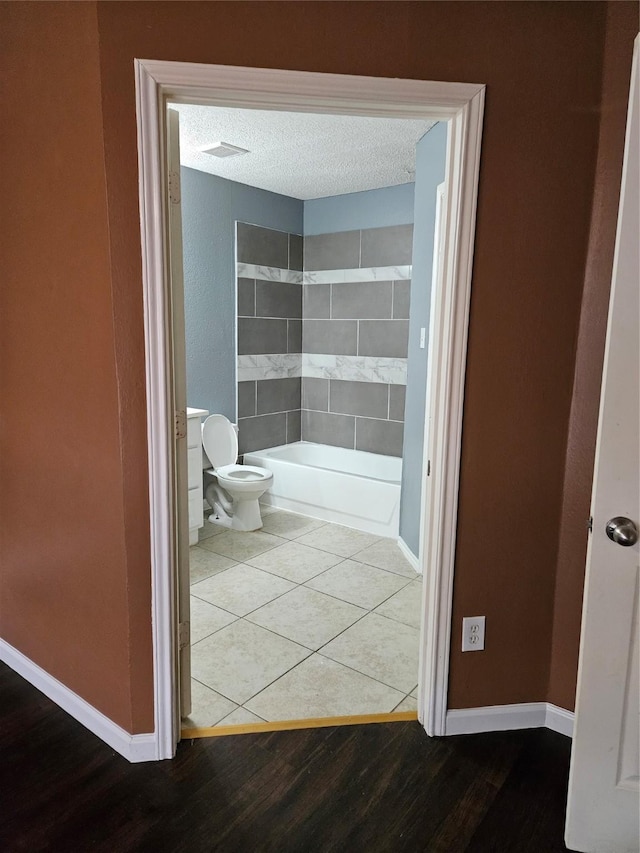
column 307, row 723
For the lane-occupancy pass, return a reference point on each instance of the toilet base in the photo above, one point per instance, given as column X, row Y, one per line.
column 246, row 516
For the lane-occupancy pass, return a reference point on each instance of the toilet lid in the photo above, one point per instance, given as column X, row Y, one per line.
column 219, row 440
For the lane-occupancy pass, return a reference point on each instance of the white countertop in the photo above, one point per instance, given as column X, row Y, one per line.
column 196, row 413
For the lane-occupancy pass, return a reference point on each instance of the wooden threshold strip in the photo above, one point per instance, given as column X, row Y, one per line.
column 287, row 725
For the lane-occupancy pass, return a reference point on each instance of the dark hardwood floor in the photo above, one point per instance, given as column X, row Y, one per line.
column 358, row 788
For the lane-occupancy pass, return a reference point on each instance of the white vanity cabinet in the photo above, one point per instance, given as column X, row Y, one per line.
column 194, row 456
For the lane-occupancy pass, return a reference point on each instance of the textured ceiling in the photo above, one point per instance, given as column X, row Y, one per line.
column 302, row 155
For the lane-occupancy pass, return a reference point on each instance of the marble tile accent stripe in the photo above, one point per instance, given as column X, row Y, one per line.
column 357, row 368
column 268, row 273
column 365, row 274
column 262, row 273
column 272, row 366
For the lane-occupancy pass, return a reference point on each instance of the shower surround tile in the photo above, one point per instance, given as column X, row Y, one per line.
column 378, row 436
column 387, row 338
column 269, row 366
column 358, row 368
column 265, row 273
column 258, row 245
column 278, row 395
column 336, row 276
column 262, row 431
column 382, row 246
column 346, row 314
column 272, row 260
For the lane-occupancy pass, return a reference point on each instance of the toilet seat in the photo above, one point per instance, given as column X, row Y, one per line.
column 243, row 473
column 220, row 441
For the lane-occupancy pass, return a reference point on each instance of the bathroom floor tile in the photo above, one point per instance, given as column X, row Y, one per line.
column 207, row 619
column 204, row 563
column 358, row 584
column 242, row 659
column 405, row 606
column 409, row 703
column 241, row 589
column 240, row 717
column 207, row 707
column 336, row 539
column 319, row 687
column 307, row 617
column 289, row 525
column 208, row 530
column 295, row 562
column 239, row 545
column 265, row 509
column 379, row 647
column 385, row 554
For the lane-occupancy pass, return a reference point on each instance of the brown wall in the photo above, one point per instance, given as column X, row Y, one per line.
column 542, row 65
column 622, row 23
column 64, row 597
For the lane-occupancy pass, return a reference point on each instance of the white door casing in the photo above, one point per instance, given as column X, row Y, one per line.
column 462, row 106
column 179, row 370
column 603, row 814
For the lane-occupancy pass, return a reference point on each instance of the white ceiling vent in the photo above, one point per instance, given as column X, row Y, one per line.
column 223, row 149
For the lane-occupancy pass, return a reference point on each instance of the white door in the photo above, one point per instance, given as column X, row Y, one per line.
column 603, row 813
column 179, row 394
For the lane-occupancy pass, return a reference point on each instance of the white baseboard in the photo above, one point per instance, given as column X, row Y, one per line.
column 134, row 748
column 408, row 554
column 559, row 720
column 499, row 718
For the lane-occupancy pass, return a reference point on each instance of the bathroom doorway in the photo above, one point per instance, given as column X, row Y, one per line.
column 317, row 287
column 444, row 332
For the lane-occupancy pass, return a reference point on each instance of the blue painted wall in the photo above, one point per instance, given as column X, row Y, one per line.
column 353, row 211
column 430, row 171
column 210, row 208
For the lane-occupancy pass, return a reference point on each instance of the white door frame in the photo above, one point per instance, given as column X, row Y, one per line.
column 462, row 106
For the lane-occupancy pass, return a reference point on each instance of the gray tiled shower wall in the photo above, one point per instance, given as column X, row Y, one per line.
column 269, row 321
column 337, row 318
column 356, row 318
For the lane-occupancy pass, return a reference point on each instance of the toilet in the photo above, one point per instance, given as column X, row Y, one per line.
column 231, row 490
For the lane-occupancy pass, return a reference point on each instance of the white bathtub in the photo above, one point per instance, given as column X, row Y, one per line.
column 350, row 487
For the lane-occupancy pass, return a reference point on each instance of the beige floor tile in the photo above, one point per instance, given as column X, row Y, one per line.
column 295, row 562
column 379, row 647
column 241, row 589
column 405, row 606
column 336, row 539
column 358, row 584
column 265, row 509
column 207, row 619
column 385, row 554
column 242, row 659
column 208, row 530
column 290, row 525
column 319, row 687
column 207, row 707
column 239, row 545
column 409, row 703
column 204, row 563
column 414, row 692
column 307, row 617
column 240, row 717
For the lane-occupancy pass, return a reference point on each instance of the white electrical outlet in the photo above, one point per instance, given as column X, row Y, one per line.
column 473, row 633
